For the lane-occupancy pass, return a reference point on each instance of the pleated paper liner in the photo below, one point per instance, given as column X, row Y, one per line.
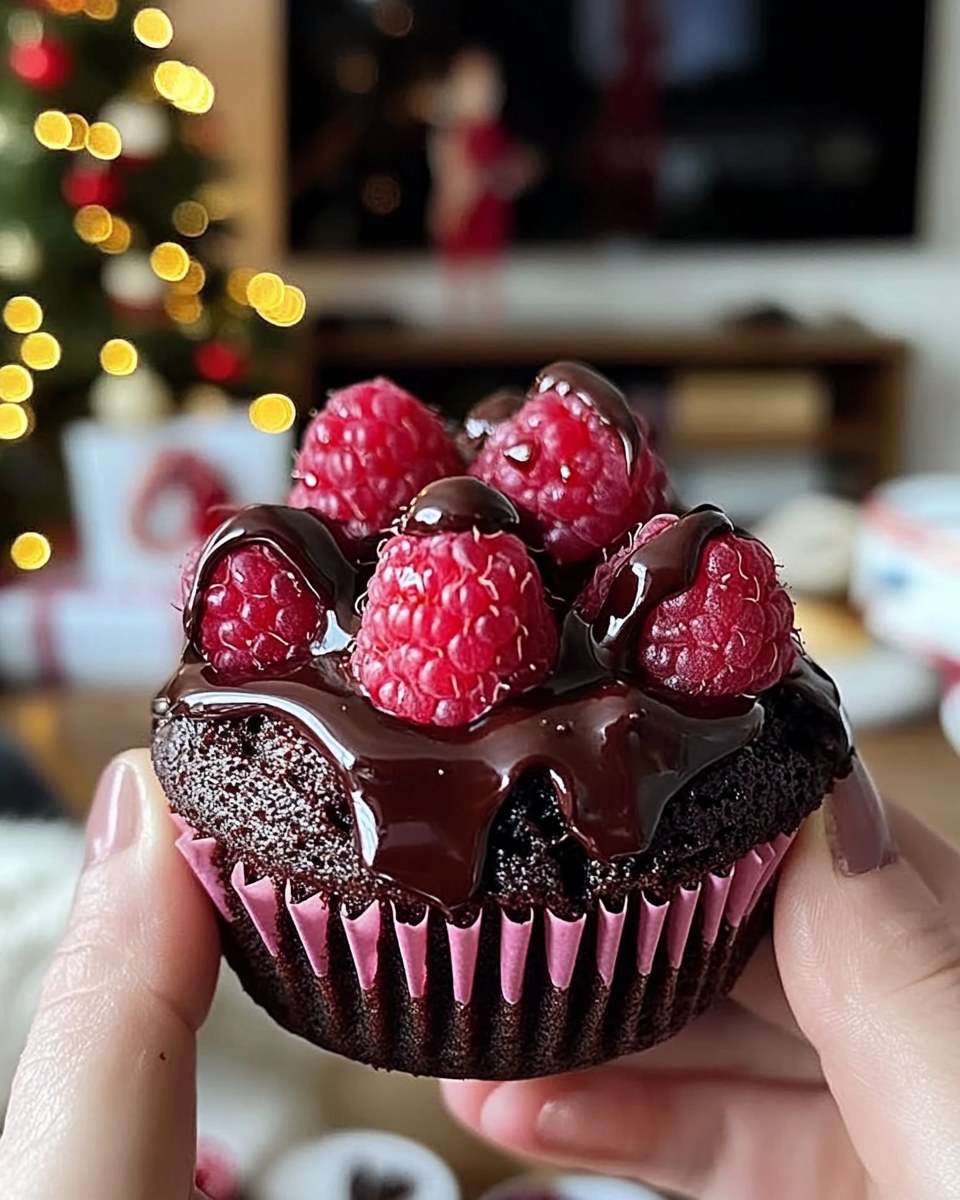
column 501, row 998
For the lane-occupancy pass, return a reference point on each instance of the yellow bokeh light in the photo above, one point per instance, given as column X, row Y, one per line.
column 120, row 238
column 30, row 551
column 14, row 422
column 170, row 262
column 93, row 224
column 53, row 130
column 201, row 97
column 265, row 290
column 79, row 128
column 119, row 357
column 172, row 79
column 16, row 384
column 272, row 413
column 104, row 141
column 238, row 281
column 22, row 314
column 153, row 27
column 191, row 219
column 41, row 351
column 194, row 281
column 290, row 311
column 101, row 10
column 183, row 307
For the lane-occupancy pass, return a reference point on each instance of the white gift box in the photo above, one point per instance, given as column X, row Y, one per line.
column 139, row 494
column 54, row 627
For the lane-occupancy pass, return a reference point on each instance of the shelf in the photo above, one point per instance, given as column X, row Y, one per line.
column 838, row 438
column 523, row 346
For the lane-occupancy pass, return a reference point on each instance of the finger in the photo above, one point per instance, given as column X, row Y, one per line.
column 104, row 1100
column 728, row 1041
column 760, row 992
column 869, row 952
column 708, row 1139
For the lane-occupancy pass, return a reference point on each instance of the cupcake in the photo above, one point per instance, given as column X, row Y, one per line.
column 486, row 750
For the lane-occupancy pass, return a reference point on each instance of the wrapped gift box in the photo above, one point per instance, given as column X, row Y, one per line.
column 57, row 627
column 142, row 497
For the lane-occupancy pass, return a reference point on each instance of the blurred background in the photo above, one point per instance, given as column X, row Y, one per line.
column 747, row 212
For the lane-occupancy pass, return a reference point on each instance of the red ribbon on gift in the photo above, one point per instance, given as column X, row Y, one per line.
column 205, row 488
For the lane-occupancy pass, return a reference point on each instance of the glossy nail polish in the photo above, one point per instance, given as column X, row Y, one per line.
column 114, row 821
column 857, row 826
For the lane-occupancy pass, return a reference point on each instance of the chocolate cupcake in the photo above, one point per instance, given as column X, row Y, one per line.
column 507, row 794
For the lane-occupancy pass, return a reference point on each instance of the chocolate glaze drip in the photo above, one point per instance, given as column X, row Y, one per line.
column 457, row 506
column 305, row 541
column 663, row 567
column 484, row 417
column 424, row 799
column 600, row 394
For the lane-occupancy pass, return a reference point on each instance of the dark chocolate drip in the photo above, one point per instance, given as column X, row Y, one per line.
column 484, row 417
column 601, row 395
column 365, row 1185
column 303, row 539
column 663, row 567
column 457, row 506
column 424, row 799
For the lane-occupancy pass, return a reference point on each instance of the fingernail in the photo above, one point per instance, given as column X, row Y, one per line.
column 857, row 826
column 114, row 821
column 570, row 1123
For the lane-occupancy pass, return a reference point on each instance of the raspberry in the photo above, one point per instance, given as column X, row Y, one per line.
column 257, row 613
column 454, row 623
column 565, row 465
column 729, row 634
column 367, row 454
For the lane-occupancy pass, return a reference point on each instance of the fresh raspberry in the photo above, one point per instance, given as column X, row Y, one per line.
column 561, row 462
column 729, row 634
column 454, row 623
column 367, row 454
column 257, row 612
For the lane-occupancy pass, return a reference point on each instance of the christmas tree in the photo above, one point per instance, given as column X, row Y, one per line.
column 112, row 219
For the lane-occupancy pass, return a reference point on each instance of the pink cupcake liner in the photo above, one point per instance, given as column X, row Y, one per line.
column 663, row 929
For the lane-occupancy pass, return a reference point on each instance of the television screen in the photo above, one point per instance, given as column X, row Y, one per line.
column 414, row 122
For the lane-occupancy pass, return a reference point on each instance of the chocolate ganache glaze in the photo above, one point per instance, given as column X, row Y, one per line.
column 423, row 798
column 596, row 391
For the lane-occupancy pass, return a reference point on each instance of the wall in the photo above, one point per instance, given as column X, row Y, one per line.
column 911, row 291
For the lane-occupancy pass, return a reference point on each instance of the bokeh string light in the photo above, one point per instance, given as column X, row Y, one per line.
column 273, row 413
column 119, row 357
column 119, row 239
column 16, row 383
column 41, row 351
column 93, row 224
column 30, row 551
column 104, row 141
column 22, row 314
column 153, row 28
column 170, row 262
column 189, row 90
column 53, row 130
column 14, row 422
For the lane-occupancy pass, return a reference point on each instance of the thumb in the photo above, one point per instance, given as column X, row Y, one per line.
column 104, row 1100
column 869, row 952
